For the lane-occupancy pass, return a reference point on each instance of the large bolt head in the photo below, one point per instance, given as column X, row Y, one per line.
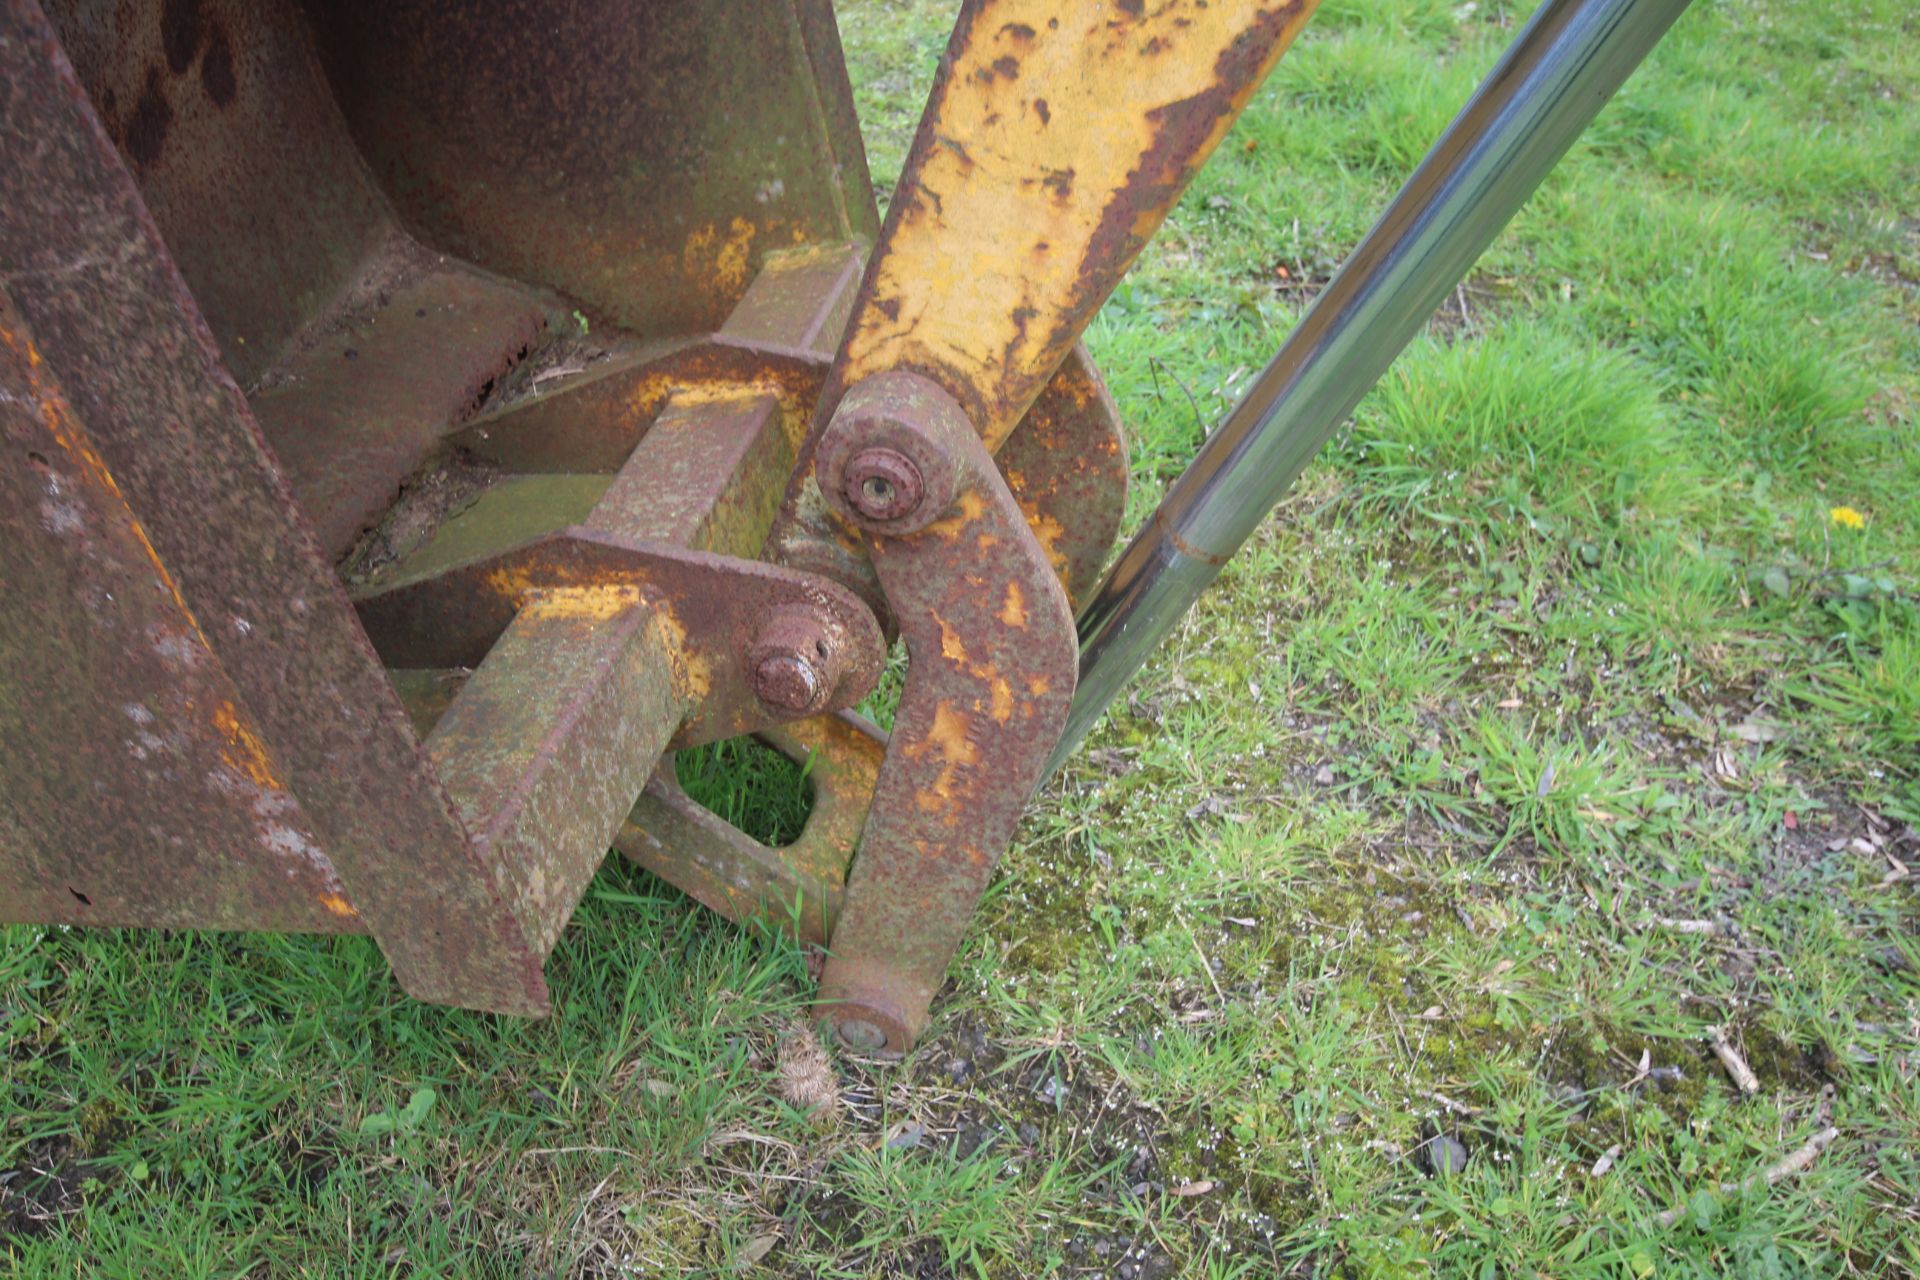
column 882, row 484
column 796, row 659
column 885, row 461
column 787, row 680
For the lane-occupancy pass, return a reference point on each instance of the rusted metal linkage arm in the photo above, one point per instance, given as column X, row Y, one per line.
column 990, row 672
column 1563, row 67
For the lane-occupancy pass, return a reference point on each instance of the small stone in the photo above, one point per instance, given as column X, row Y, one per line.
column 1443, row 1154
column 1893, row 960
column 1158, row 1266
column 1029, row 1133
column 959, row 1069
column 903, row 1136
column 1323, row 776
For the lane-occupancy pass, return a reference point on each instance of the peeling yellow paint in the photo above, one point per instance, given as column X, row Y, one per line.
column 512, row 583
column 1039, row 137
column 970, row 505
column 950, row 738
column 339, row 906
column 598, row 603
column 952, row 648
column 950, row 734
column 731, row 263
column 722, row 259
column 692, row 672
column 1048, row 532
column 648, row 395
column 244, row 751
column 1002, row 710
column 1013, row 611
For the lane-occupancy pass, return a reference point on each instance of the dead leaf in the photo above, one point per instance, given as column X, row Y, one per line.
column 1605, row 1162
column 755, row 1249
column 1758, row 730
column 1215, row 806
column 1724, row 767
column 1186, row 1189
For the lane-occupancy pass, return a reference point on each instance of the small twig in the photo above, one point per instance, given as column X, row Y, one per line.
column 557, row 371
column 1730, row 1058
column 1706, row 928
column 1199, row 420
column 1458, row 1108
column 1206, row 965
column 1790, row 1164
column 567, row 1151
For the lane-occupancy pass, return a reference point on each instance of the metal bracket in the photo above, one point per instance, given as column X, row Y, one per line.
column 800, row 887
column 991, row 664
column 725, row 614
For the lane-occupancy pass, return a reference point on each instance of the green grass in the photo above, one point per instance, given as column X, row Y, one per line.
column 1550, row 722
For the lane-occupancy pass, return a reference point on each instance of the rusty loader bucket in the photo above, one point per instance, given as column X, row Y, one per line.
column 419, row 419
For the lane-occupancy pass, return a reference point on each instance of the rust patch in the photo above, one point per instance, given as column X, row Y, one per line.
column 1066, row 465
column 216, row 69
column 146, row 129
column 180, row 33
column 1013, row 612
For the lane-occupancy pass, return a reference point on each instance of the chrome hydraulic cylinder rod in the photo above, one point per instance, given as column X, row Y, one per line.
column 1561, row 69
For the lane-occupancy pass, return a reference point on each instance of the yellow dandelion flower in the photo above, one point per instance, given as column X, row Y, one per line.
column 1847, row 518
